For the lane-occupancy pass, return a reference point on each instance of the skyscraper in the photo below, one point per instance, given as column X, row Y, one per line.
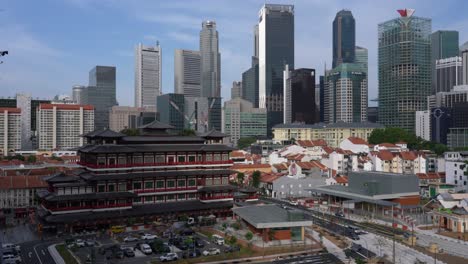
column 77, row 93
column 187, row 72
column 322, row 97
column 464, row 55
column 101, row 93
column 276, row 49
column 346, row 94
column 404, row 69
column 148, row 74
column 344, row 38
column 444, row 44
column 299, row 96
column 448, row 74
column 362, row 57
column 236, row 90
column 210, row 60
column 250, row 83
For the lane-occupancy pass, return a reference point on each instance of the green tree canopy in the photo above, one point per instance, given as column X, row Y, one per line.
column 32, row 159
column 256, row 179
column 240, row 178
column 245, row 142
column 249, row 236
column 187, row 132
column 130, row 131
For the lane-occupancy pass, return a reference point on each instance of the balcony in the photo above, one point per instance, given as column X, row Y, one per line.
column 166, row 189
column 212, row 198
column 156, row 164
column 88, row 207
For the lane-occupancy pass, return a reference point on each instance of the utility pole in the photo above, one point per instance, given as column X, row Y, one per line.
column 393, row 231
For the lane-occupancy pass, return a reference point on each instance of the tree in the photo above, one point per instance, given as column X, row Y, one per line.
column 245, row 142
column 232, row 240
column 32, row 159
column 256, row 179
column 240, row 178
column 130, row 132
column 187, row 132
column 249, row 236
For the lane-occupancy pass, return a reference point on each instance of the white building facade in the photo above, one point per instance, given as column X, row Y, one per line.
column 423, row 124
column 187, row 72
column 148, row 74
column 455, row 168
column 10, row 130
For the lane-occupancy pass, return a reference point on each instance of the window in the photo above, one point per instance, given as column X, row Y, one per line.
column 191, row 158
column 159, row 184
column 216, row 181
column 148, row 159
column 122, row 187
column 148, row 199
column 192, row 182
column 170, row 159
column 209, row 157
column 101, row 188
column 137, row 200
column 160, row 159
column 191, row 196
column 217, row 157
column 111, row 187
column 180, row 158
column 170, row 184
column 181, row 196
column 464, row 182
column 208, row 181
column 137, row 185
column 181, row 183
column 148, row 185
column 160, row 198
column 170, row 197
column 225, row 180
column 455, row 172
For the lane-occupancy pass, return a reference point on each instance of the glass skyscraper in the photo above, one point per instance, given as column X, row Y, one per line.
column 148, row 74
column 276, row 49
column 344, row 38
column 210, row 60
column 362, row 57
column 444, row 44
column 404, row 59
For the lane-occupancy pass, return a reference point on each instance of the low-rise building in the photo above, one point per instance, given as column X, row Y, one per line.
column 10, row 130
column 122, row 117
column 355, row 144
column 19, row 191
column 451, row 212
column 456, row 169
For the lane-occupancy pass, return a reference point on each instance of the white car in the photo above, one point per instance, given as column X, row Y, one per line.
column 148, row 236
column 9, row 258
column 211, row 251
column 80, row 243
column 293, row 203
column 145, row 248
column 218, row 240
column 130, row 239
column 10, row 245
column 168, row 257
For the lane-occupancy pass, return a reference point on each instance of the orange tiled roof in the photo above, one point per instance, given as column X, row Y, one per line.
column 328, row 150
column 385, row 155
column 408, row 155
column 21, row 182
column 281, row 166
column 388, row 145
column 250, row 166
column 237, row 154
column 341, row 179
column 270, row 177
column 311, row 143
column 357, row 141
column 430, row 176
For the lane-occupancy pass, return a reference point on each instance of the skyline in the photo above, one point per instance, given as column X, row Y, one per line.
column 47, row 57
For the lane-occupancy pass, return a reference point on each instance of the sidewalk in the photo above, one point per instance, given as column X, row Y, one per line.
column 331, row 248
column 55, row 255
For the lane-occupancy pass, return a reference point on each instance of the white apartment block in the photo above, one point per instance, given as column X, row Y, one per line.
column 10, row 130
column 455, row 169
column 19, row 191
column 423, row 124
column 60, row 126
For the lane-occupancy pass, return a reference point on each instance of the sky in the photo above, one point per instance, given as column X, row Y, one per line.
column 53, row 44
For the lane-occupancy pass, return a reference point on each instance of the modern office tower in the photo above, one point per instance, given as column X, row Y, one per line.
column 373, row 114
column 458, row 132
column 464, row 55
column 460, row 114
column 276, row 49
column 61, row 126
column 77, row 93
column 101, row 93
column 459, row 94
column 148, row 74
column 346, row 94
column 322, row 97
column 197, row 111
column 404, row 69
column 448, row 74
column 210, row 60
column 236, row 90
column 23, row 102
column 10, row 130
column 242, row 120
column 299, row 96
column 187, row 72
column 256, row 41
column 214, row 113
column 444, row 44
column 171, row 110
column 122, row 117
column 362, row 57
column 441, row 122
column 250, row 83
column 317, row 101
column 423, row 124
column 344, row 38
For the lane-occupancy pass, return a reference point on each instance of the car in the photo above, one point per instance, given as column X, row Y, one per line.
column 80, row 243
column 168, row 257
column 90, row 243
column 129, row 252
column 230, row 249
column 11, row 258
column 211, row 251
column 118, row 253
column 199, row 243
column 187, row 232
column 148, row 236
column 130, row 239
column 10, row 245
column 218, row 240
column 145, row 248
column 293, row 203
column 191, row 254
column 354, row 237
column 167, row 234
column 339, row 214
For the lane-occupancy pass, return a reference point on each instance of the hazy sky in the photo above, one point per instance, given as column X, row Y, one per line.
column 54, row 43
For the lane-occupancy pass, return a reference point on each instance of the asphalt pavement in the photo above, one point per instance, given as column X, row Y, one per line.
column 312, row 259
column 36, row 252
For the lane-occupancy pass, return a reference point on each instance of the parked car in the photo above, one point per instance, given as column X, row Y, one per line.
column 118, row 253
column 130, row 239
column 167, row 234
column 129, row 252
column 168, row 257
column 211, row 251
column 10, row 245
column 90, row 243
column 191, row 254
column 230, row 249
column 145, row 248
column 148, row 236
column 183, row 246
column 293, row 203
column 187, row 232
column 199, row 243
column 218, row 240
column 80, row 243
column 11, row 258
column 339, row 214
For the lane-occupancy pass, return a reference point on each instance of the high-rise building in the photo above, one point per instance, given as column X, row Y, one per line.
column 448, row 74
column 171, row 110
column 242, row 120
column 23, row 102
column 250, row 83
column 459, row 94
column 10, row 130
column 373, row 114
column 61, row 126
column 444, row 44
column 322, row 97
column 458, row 132
column 404, row 69
column 464, row 55
column 299, row 96
column 236, row 90
column 423, row 124
column 148, row 74
column 276, row 49
column 101, row 93
column 187, row 73
column 346, row 94
column 441, row 122
column 362, row 57
column 77, row 93
column 210, row 60
column 344, row 38
column 122, row 117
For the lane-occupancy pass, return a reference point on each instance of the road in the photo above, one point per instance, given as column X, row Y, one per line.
column 312, row 259
column 36, row 252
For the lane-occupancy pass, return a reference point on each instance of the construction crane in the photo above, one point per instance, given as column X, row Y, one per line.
column 190, row 120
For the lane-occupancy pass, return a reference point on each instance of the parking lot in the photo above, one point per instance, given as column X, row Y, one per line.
column 183, row 242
